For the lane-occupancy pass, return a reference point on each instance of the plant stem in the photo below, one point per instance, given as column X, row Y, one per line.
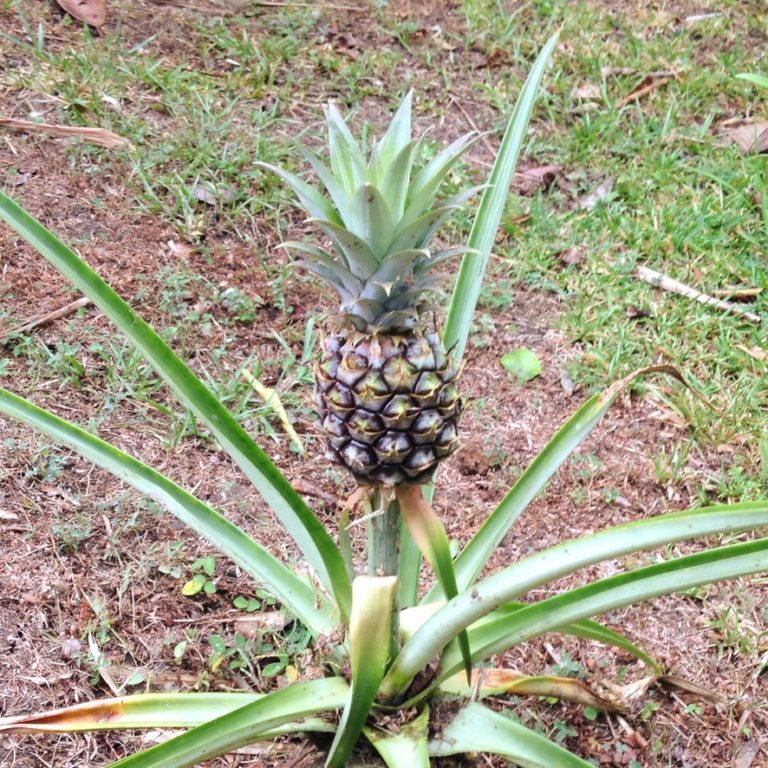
column 383, row 537
column 384, row 549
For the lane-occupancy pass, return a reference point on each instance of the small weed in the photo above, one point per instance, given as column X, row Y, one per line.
column 70, row 534
column 203, row 569
column 568, row 667
column 562, row 731
column 262, row 656
column 731, row 634
column 649, row 709
column 252, row 604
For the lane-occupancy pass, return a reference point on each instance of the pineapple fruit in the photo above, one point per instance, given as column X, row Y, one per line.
column 385, row 385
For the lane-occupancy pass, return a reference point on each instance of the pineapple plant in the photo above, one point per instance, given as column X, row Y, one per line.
column 385, row 384
column 396, row 639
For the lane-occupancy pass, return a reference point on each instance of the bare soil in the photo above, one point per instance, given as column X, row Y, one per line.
column 83, row 557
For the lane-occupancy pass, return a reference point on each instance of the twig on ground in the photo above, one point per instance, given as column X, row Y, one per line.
column 633, row 736
column 222, row 10
column 657, row 280
column 308, row 489
column 642, row 92
column 49, row 317
column 98, row 136
column 473, row 125
column 307, row 751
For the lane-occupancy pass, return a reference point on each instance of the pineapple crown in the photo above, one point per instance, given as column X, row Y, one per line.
column 379, row 220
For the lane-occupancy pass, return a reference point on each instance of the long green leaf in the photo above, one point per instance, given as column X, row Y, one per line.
column 394, row 184
column 475, row 555
column 150, row 710
column 317, row 546
column 243, row 726
column 478, row 729
column 341, row 198
column 754, row 78
column 550, row 564
column 369, row 643
column 486, row 223
column 428, row 532
column 608, row 594
column 424, row 187
column 360, row 258
column 594, row 630
column 284, row 583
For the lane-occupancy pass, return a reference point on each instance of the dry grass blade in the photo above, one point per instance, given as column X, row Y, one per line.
column 673, row 681
column 98, row 136
column 272, row 399
column 605, row 697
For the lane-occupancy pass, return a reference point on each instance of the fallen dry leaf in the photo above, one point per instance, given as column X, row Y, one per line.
column 747, row 753
column 92, row 12
column 211, row 195
column 531, row 180
column 750, row 136
column 98, row 136
column 589, row 201
column 572, row 255
column 756, row 352
column 587, row 91
column 567, row 383
column 634, row 312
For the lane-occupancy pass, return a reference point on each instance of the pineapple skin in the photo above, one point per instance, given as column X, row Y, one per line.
column 388, row 404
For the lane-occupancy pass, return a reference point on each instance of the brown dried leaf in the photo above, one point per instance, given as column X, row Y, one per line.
column 530, row 180
column 749, row 136
column 747, row 753
column 737, row 294
column 567, row 383
column 589, row 201
column 755, row 352
column 572, row 255
column 257, row 624
column 93, row 12
column 634, row 312
column 587, row 91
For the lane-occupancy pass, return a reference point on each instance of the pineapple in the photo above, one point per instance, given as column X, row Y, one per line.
column 385, row 385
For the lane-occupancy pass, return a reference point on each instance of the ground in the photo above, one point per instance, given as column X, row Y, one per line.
column 185, row 226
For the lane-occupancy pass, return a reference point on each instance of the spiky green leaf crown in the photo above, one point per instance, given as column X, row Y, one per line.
column 379, row 220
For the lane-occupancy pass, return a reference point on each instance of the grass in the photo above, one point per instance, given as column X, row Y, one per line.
column 681, row 203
